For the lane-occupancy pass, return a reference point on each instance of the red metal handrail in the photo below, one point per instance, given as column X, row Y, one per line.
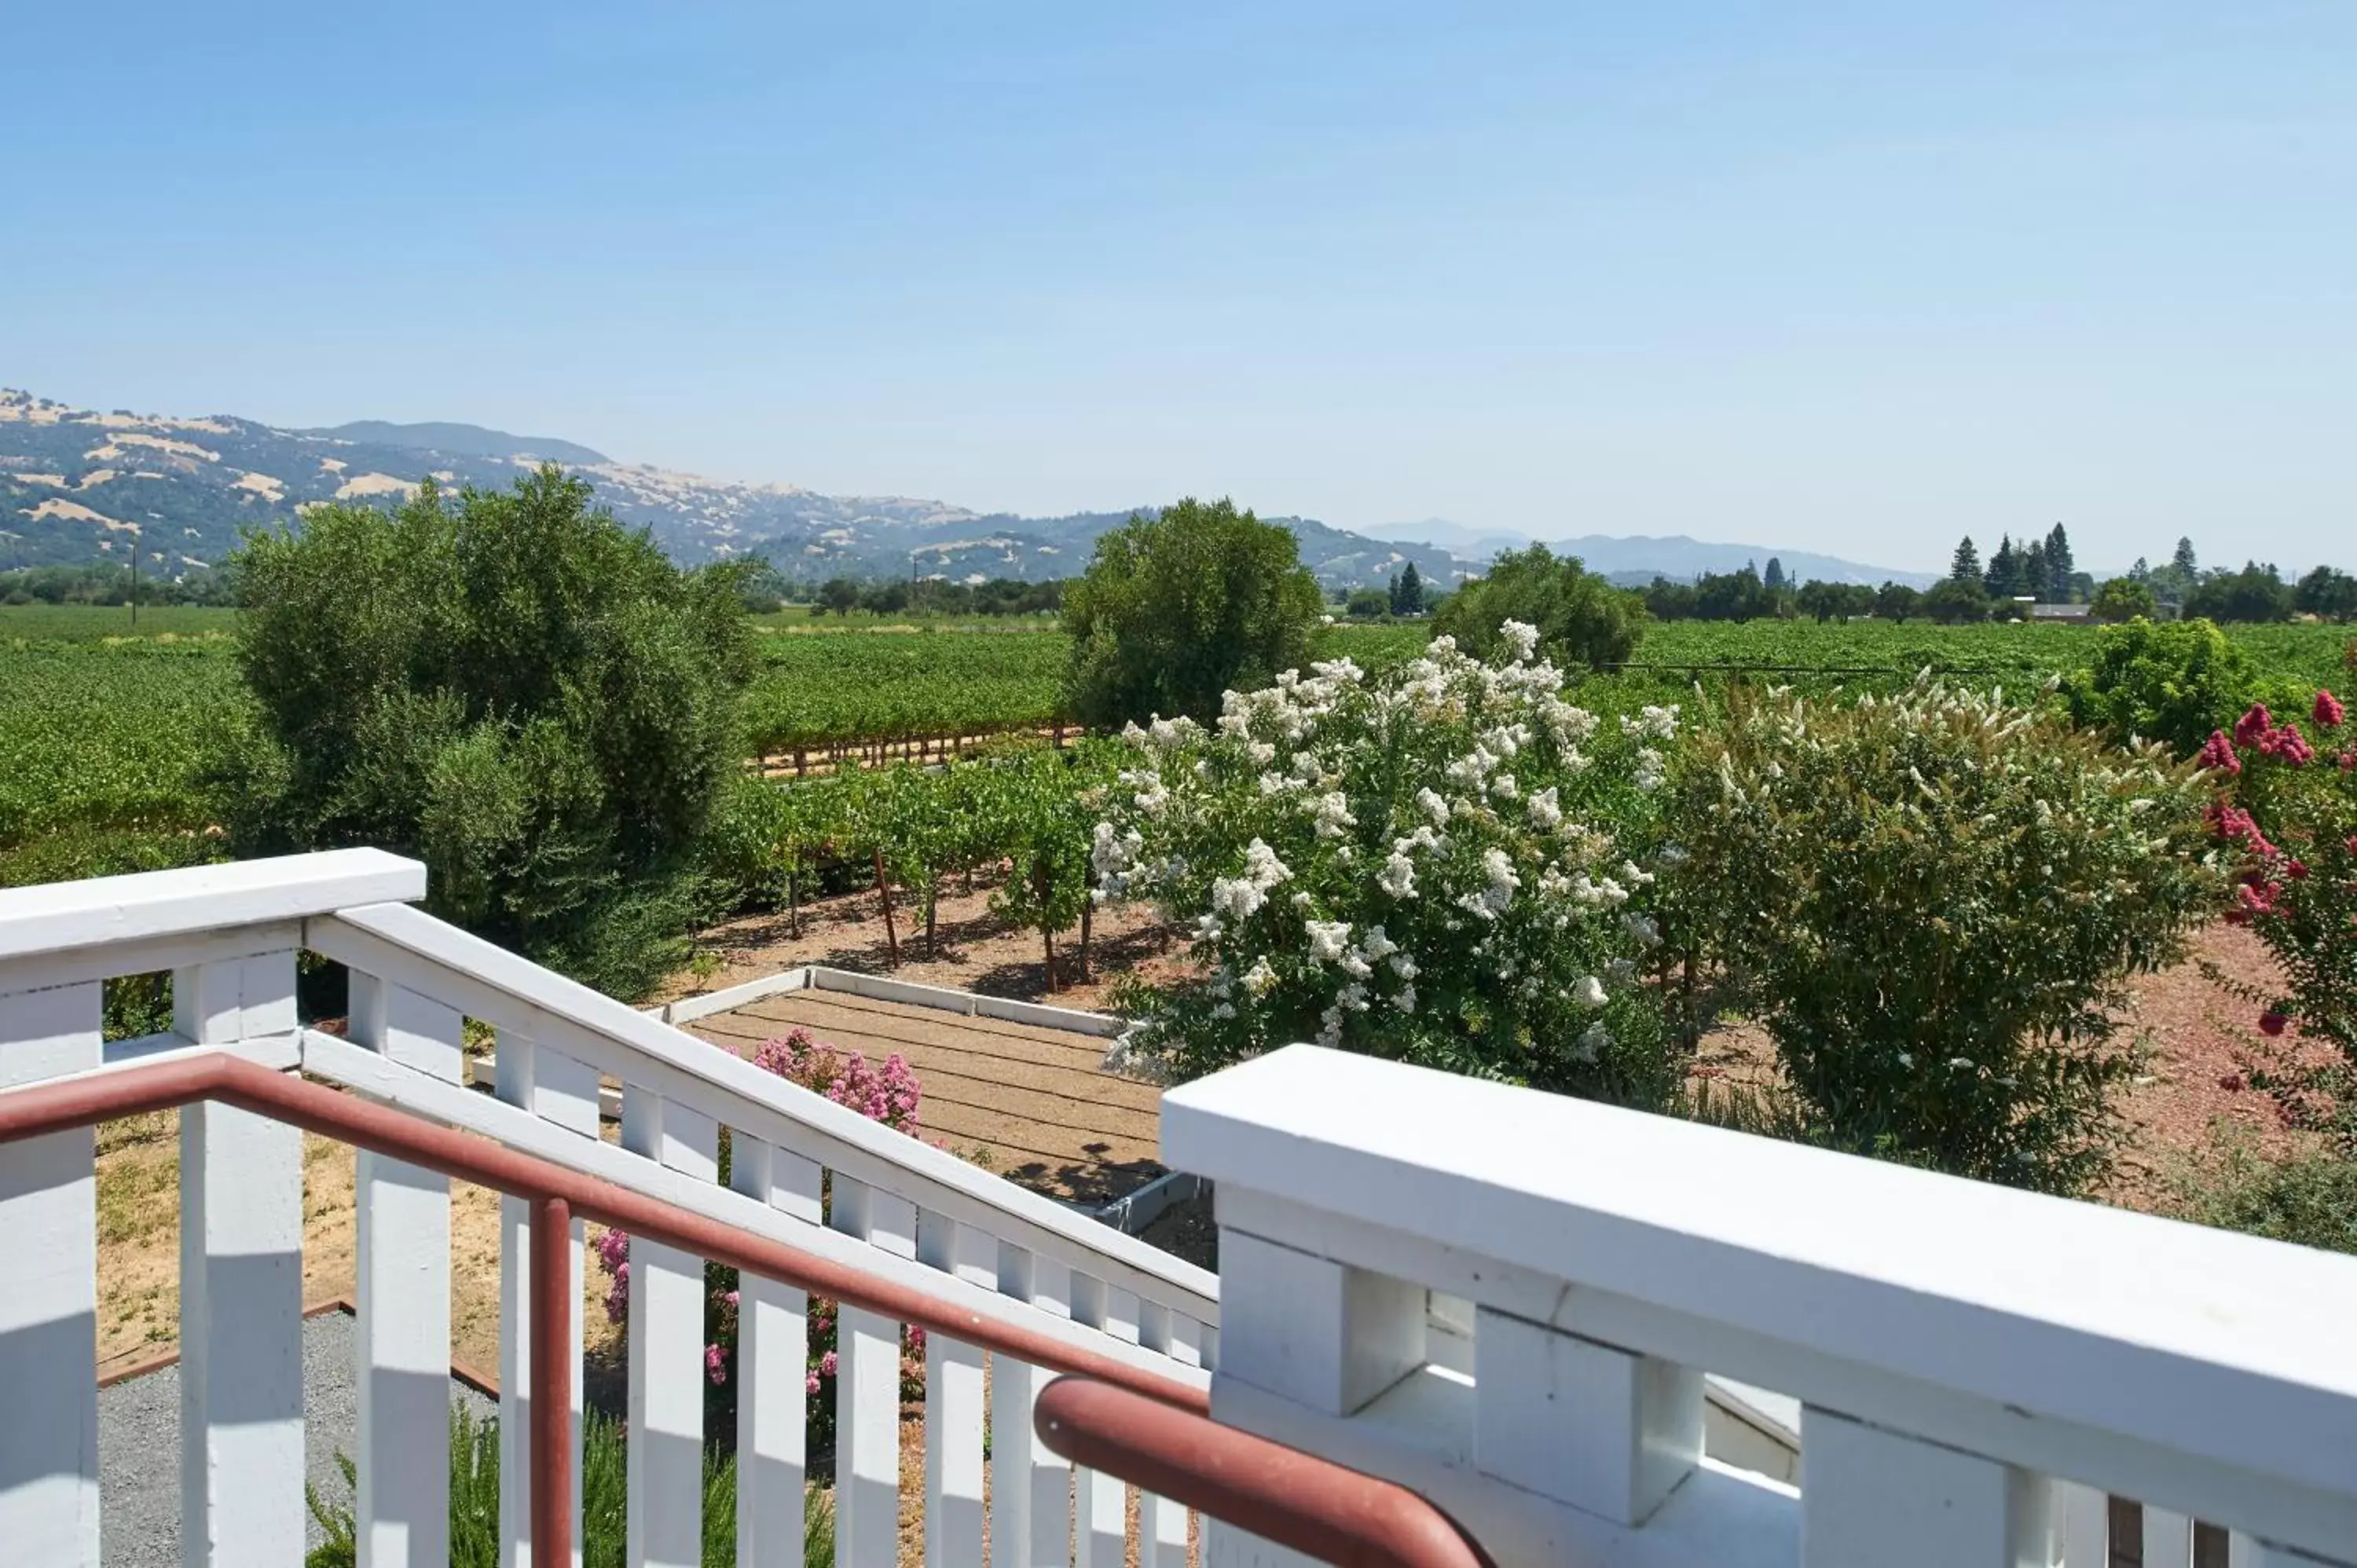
column 1326, row 1510
column 1341, row 1515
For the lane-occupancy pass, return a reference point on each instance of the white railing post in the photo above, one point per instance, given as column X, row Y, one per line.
column 1163, row 1523
column 1032, row 1485
column 1101, row 1502
column 773, row 1362
column 1875, row 1498
column 563, row 1092
column 240, row 1287
column 48, row 1300
column 668, row 1376
column 402, row 1339
column 953, row 1401
column 867, row 1388
column 1604, row 1430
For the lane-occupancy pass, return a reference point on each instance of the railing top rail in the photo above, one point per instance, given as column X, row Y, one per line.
column 58, row 917
column 377, row 938
column 2181, row 1336
column 85, row 1098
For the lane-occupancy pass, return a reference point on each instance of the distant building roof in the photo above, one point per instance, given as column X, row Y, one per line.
column 2061, row 612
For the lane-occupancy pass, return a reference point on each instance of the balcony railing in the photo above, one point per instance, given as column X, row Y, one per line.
column 911, row 1221
column 1508, row 1302
column 1519, row 1307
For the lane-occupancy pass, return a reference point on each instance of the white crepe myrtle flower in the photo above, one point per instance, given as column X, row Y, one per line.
column 1592, row 1043
column 1224, row 1010
column 1589, row 993
column 1504, row 787
column 1332, row 814
column 1397, row 879
column 1328, row 939
column 1644, row 927
column 1545, row 810
column 1402, row 965
column 1651, row 768
column 1405, row 1000
column 1653, row 723
column 1260, row 979
column 1521, row 637
column 1262, row 753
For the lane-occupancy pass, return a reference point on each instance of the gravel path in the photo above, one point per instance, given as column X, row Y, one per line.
column 139, row 1445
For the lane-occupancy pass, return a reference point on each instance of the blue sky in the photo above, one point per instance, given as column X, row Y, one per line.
column 1848, row 278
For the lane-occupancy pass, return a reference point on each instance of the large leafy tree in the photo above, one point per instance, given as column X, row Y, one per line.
column 1581, row 618
column 2253, row 594
column 509, row 685
column 1177, row 608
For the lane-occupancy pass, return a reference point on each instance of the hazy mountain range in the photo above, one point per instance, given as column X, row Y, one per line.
column 78, row 486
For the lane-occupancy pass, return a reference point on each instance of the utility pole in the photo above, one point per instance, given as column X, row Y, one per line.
column 134, row 576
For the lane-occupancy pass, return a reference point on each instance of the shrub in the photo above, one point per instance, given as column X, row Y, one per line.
column 1581, row 618
column 889, row 1094
column 2308, row 1197
column 1176, row 608
column 1438, row 864
column 2172, row 682
column 2291, row 821
column 509, row 686
column 1937, row 898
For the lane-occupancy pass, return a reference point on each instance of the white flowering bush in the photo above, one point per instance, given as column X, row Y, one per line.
column 1447, row 864
column 1936, row 899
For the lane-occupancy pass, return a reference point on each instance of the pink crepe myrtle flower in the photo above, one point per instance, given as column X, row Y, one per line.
column 2218, row 754
column 716, row 1363
column 2328, row 712
column 2286, row 744
column 2255, row 722
column 2272, row 1023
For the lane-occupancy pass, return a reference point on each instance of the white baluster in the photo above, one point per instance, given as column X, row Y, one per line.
column 1872, row 1498
column 668, row 1376
column 773, row 1362
column 2081, row 1526
column 1031, row 1495
column 953, row 1402
column 241, row 1288
column 402, row 1337
column 1319, row 1332
column 867, row 1388
column 562, row 1092
column 1101, row 1513
column 49, row 1297
column 1592, row 1425
column 2168, row 1539
column 1163, row 1522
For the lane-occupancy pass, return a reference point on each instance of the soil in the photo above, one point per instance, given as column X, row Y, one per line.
column 1187, row 1230
column 976, row 951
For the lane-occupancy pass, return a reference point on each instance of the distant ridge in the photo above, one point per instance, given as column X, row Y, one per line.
column 466, row 440
column 1637, row 559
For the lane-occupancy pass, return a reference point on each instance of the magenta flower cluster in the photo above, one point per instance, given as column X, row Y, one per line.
column 886, row 1093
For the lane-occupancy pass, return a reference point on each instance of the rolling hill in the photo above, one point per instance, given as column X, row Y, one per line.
column 78, row 486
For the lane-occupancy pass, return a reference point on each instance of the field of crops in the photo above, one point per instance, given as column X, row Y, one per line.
column 102, row 736
column 100, row 750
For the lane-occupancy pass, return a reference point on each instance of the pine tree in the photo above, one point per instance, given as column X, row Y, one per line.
column 1774, row 580
column 2033, row 574
column 2056, row 589
column 1966, row 566
column 2004, row 566
column 2183, row 560
column 1407, row 592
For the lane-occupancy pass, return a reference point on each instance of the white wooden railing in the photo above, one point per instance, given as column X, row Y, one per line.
column 230, row 936
column 1508, row 1301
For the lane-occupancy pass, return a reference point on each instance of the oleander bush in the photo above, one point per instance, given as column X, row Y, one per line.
column 1935, row 899
column 1447, row 864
